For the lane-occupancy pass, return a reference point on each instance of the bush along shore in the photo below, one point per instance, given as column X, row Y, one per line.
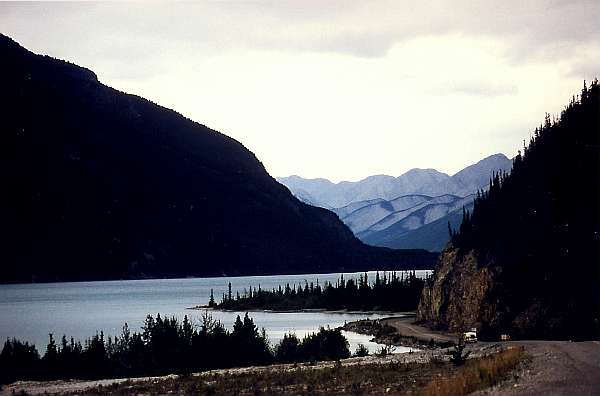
column 165, row 346
column 389, row 292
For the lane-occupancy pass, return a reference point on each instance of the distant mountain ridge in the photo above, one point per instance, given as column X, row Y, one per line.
column 107, row 185
column 389, row 223
column 431, row 182
column 424, row 196
column 426, row 227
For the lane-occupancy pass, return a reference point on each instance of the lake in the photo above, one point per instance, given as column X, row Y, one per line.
column 80, row 309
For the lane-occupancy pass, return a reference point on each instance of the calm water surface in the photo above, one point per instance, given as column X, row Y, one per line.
column 80, row 309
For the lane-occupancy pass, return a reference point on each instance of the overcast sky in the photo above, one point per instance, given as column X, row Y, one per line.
column 340, row 90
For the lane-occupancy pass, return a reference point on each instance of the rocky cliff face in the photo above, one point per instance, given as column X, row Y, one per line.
column 459, row 296
column 468, row 290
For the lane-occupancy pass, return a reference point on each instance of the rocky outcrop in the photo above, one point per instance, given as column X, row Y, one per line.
column 459, row 296
column 468, row 290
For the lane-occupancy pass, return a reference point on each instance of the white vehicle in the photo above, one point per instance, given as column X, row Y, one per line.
column 470, row 336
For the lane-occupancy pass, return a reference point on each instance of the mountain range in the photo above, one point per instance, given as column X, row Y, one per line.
column 416, row 218
column 326, row 194
column 101, row 184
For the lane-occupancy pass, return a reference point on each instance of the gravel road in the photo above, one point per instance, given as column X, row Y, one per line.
column 407, row 328
column 554, row 368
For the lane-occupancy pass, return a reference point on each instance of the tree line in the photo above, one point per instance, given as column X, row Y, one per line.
column 540, row 224
column 389, row 292
column 165, row 346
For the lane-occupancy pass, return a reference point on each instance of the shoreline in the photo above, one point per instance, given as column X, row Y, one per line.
column 347, row 326
column 142, row 277
column 401, row 331
column 393, row 314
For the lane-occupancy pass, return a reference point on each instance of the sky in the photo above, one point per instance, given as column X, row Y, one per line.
column 336, row 89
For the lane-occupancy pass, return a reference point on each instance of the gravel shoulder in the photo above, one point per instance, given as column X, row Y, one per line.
column 554, row 368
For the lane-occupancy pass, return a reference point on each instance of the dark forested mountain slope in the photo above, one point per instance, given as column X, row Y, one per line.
column 99, row 184
column 527, row 261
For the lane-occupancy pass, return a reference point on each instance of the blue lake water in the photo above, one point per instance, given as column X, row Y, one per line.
column 80, row 309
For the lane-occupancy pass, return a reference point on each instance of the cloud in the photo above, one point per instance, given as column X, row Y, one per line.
column 586, row 70
column 477, row 88
column 362, row 87
column 535, row 29
column 585, row 64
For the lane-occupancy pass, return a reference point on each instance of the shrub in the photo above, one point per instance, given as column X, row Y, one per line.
column 361, row 351
column 386, row 350
column 457, row 354
column 476, row 374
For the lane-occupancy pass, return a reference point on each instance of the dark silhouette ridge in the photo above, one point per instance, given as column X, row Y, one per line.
column 100, row 184
column 526, row 261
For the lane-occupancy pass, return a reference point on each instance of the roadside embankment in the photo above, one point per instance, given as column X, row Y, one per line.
column 391, row 374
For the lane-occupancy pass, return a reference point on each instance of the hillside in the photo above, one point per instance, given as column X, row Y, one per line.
column 432, row 236
column 372, row 212
column 379, row 222
column 413, row 218
column 105, row 185
column 527, row 260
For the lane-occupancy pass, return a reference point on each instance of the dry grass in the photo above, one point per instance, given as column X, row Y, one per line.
column 476, row 374
column 367, row 379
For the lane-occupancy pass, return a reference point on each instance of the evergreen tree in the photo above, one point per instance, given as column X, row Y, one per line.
column 211, row 302
column 541, row 219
